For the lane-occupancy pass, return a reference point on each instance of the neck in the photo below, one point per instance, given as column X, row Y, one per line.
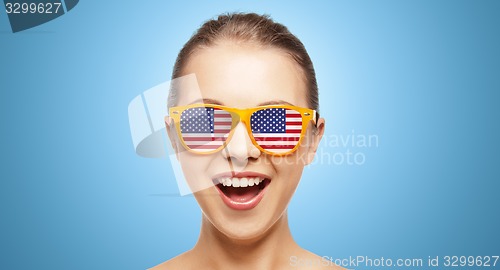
column 268, row 251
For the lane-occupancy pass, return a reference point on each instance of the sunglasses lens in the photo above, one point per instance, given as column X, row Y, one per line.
column 205, row 129
column 276, row 130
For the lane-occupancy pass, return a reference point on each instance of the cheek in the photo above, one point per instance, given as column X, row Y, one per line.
column 289, row 170
column 195, row 169
column 296, row 161
column 306, row 152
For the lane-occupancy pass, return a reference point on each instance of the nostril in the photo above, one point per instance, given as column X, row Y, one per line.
column 254, row 152
column 240, row 146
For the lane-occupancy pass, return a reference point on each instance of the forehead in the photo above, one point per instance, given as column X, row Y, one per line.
column 244, row 76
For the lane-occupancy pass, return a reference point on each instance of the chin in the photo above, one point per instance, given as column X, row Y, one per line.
column 246, row 225
column 239, row 231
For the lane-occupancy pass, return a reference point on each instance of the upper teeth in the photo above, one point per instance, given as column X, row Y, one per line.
column 240, row 182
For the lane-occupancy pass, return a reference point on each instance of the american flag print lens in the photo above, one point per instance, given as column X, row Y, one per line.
column 276, row 130
column 205, row 129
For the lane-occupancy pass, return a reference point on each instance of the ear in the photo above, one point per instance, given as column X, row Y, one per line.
column 316, row 139
column 170, row 127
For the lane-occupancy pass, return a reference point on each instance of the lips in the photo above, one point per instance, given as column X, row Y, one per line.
column 241, row 191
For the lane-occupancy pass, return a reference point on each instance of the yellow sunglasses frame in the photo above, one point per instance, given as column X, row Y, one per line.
column 243, row 115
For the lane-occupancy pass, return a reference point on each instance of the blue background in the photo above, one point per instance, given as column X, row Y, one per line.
column 421, row 75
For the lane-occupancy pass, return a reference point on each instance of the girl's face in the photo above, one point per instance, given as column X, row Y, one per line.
column 244, row 76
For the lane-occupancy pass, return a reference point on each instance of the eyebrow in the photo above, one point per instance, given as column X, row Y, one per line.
column 216, row 102
column 207, row 101
column 276, row 102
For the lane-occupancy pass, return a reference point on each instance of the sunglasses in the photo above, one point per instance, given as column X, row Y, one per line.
column 275, row 129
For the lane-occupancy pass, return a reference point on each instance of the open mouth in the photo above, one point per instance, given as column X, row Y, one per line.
column 241, row 193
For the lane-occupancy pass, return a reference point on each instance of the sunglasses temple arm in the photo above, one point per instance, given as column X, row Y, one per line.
column 315, row 119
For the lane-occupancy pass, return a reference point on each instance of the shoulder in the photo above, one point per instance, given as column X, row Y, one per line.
column 310, row 261
column 182, row 261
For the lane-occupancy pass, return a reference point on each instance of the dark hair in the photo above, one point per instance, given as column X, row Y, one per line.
column 253, row 28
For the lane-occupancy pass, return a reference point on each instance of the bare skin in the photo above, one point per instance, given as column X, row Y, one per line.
column 272, row 251
column 245, row 76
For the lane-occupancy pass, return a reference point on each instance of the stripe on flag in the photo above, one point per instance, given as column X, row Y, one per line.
column 205, row 129
column 276, row 129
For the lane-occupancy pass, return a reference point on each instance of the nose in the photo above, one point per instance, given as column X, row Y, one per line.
column 240, row 147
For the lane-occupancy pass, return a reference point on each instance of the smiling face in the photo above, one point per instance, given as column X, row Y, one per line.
column 245, row 76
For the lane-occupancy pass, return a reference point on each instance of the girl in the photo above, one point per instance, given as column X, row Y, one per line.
column 248, row 138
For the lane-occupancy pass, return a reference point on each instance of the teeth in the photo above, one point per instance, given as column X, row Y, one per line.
column 244, row 182
column 239, row 182
column 236, row 182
